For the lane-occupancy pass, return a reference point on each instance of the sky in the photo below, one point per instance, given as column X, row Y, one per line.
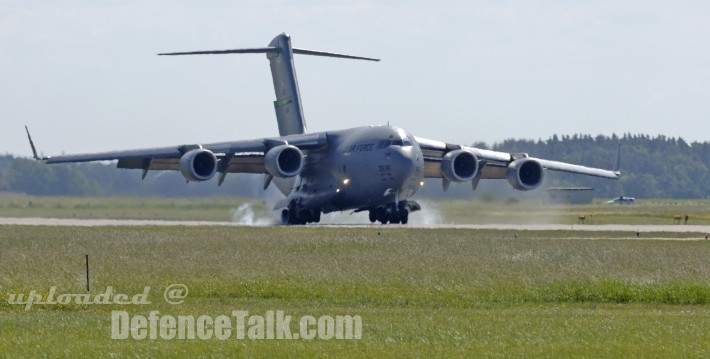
column 84, row 75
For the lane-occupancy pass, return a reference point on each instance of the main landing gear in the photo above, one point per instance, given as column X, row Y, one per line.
column 295, row 214
column 394, row 213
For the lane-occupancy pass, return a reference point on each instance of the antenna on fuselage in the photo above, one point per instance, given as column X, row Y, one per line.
column 289, row 111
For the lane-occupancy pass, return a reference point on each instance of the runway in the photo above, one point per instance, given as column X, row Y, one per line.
column 518, row 227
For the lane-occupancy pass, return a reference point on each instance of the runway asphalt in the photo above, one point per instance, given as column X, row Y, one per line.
column 520, row 227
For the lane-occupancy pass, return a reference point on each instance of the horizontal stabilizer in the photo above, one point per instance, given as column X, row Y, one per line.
column 279, row 52
column 268, row 50
column 330, row 54
column 256, row 50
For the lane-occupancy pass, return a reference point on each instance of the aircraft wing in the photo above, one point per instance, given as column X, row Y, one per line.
column 571, row 168
column 242, row 156
column 495, row 163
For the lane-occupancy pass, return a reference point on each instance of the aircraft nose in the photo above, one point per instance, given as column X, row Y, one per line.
column 403, row 159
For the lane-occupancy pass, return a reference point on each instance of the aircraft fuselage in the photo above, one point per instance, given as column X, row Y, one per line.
column 363, row 167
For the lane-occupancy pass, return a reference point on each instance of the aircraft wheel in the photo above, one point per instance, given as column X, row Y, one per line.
column 296, row 217
column 405, row 217
column 292, row 217
column 373, row 217
column 285, row 217
column 316, row 217
column 304, row 216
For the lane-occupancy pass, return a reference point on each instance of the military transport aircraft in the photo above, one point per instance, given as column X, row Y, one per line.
column 370, row 168
column 621, row 200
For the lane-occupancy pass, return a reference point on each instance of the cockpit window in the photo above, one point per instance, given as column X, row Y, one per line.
column 384, row 144
column 387, row 143
column 404, row 138
column 403, row 141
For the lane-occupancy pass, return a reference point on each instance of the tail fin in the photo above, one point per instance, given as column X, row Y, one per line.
column 32, row 145
column 289, row 111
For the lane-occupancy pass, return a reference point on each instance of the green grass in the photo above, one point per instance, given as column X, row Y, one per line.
column 197, row 209
column 421, row 293
column 536, row 211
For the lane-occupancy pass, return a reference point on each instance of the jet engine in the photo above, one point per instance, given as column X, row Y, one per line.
column 198, row 165
column 459, row 166
column 284, row 161
column 524, row 174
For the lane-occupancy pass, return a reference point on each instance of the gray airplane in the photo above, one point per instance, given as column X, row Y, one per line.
column 371, row 168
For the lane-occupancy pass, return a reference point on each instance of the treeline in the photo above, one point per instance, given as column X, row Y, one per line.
column 22, row 175
column 652, row 167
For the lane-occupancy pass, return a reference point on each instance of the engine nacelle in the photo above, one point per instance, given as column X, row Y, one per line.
column 524, row 174
column 198, row 165
column 459, row 166
column 284, row 161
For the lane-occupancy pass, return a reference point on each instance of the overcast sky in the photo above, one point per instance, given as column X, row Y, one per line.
column 84, row 75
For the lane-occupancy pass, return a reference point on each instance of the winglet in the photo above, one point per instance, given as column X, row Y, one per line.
column 34, row 150
column 617, row 160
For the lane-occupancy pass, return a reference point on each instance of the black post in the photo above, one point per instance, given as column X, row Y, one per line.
column 87, row 272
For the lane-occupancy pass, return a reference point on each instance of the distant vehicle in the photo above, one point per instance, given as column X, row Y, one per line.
column 370, row 168
column 622, row 200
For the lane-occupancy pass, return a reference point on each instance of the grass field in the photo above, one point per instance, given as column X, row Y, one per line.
column 420, row 293
column 434, row 212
